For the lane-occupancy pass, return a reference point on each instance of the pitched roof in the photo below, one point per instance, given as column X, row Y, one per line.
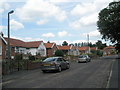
column 32, row 44
column 109, row 47
column 64, row 47
column 83, row 48
column 3, row 39
column 49, row 45
column 93, row 48
column 20, row 43
column 15, row 42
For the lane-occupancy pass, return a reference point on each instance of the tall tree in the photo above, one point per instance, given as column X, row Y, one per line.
column 109, row 23
column 65, row 43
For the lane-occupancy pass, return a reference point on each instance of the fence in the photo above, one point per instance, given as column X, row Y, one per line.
column 9, row 66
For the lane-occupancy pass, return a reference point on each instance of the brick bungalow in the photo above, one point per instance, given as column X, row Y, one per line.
column 3, row 44
column 19, row 46
column 84, row 49
column 65, row 49
column 108, row 50
column 50, row 49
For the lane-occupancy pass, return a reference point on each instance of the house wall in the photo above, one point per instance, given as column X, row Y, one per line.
column 33, row 51
column 3, row 50
column 51, row 51
column 0, row 49
column 42, row 49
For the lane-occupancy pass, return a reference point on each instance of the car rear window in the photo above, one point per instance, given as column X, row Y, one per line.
column 82, row 56
column 49, row 59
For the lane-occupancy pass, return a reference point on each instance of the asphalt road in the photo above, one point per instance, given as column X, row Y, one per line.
column 94, row 74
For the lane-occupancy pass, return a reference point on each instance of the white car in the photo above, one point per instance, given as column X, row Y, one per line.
column 84, row 58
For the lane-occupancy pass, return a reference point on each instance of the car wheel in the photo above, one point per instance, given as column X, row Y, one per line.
column 78, row 61
column 59, row 69
column 43, row 71
column 68, row 66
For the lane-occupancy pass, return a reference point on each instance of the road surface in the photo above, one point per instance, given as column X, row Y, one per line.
column 94, row 74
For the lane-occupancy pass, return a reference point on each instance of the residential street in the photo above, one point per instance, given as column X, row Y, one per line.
column 94, row 74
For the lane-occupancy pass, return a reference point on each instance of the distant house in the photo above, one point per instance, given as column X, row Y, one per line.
column 74, row 51
column 3, row 47
column 65, row 49
column 93, row 48
column 109, row 50
column 19, row 46
column 50, row 49
column 84, row 50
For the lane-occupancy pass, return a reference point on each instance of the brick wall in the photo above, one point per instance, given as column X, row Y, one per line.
column 50, row 51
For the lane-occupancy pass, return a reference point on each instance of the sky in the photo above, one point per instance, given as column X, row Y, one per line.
column 53, row 20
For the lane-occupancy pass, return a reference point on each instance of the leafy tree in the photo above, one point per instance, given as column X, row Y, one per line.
column 65, row 43
column 100, row 45
column 59, row 53
column 109, row 23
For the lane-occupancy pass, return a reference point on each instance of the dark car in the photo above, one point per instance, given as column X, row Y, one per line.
column 54, row 63
column 84, row 58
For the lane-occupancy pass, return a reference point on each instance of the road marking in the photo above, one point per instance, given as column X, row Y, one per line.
column 108, row 82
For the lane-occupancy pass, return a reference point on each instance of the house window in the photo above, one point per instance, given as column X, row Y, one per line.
column 0, row 50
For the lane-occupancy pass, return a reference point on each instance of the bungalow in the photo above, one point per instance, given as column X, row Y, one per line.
column 84, row 49
column 3, row 44
column 109, row 50
column 65, row 49
column 94, row 48
column 50, row 49
column 74, row 51
column 19, row 46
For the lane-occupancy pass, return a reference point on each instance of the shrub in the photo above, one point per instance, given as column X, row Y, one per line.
column 31, row 57
column 59, row 53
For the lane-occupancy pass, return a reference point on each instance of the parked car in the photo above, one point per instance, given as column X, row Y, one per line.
column 84, row 58
column 54, row 63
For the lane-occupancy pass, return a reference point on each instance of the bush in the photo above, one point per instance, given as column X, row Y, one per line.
column 18, row 56
column 31, row 57
column 59, row 53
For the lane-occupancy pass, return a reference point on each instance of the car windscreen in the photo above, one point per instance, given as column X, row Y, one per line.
column 49, row 59
column 82, row 56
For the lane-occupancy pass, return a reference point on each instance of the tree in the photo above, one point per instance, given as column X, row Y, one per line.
column 65, row 43
column 59, row 53
column 109, row 23
column 100, row 45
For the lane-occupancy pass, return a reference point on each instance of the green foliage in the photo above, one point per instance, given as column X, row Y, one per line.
column 31, row 57
column 100, row 45
column 97, row 52
column 18, row 56
column 109, row 23
column 59, row 53
column 65, row 43
column 37, row 60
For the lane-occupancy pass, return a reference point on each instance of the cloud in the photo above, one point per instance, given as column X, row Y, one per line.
column 95, row 33
column 3, row 6
column 90, row 19
column 2, row 28
column 15, row 25
column 82, row 9
column 62, row 34
column 87, row 13
column 48, row 35
column 75, row 24
column 84, row 21
column 41, row 22
column 40, row 9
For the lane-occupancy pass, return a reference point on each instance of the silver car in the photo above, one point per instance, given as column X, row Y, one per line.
column 84, row 58
column 54, row 63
